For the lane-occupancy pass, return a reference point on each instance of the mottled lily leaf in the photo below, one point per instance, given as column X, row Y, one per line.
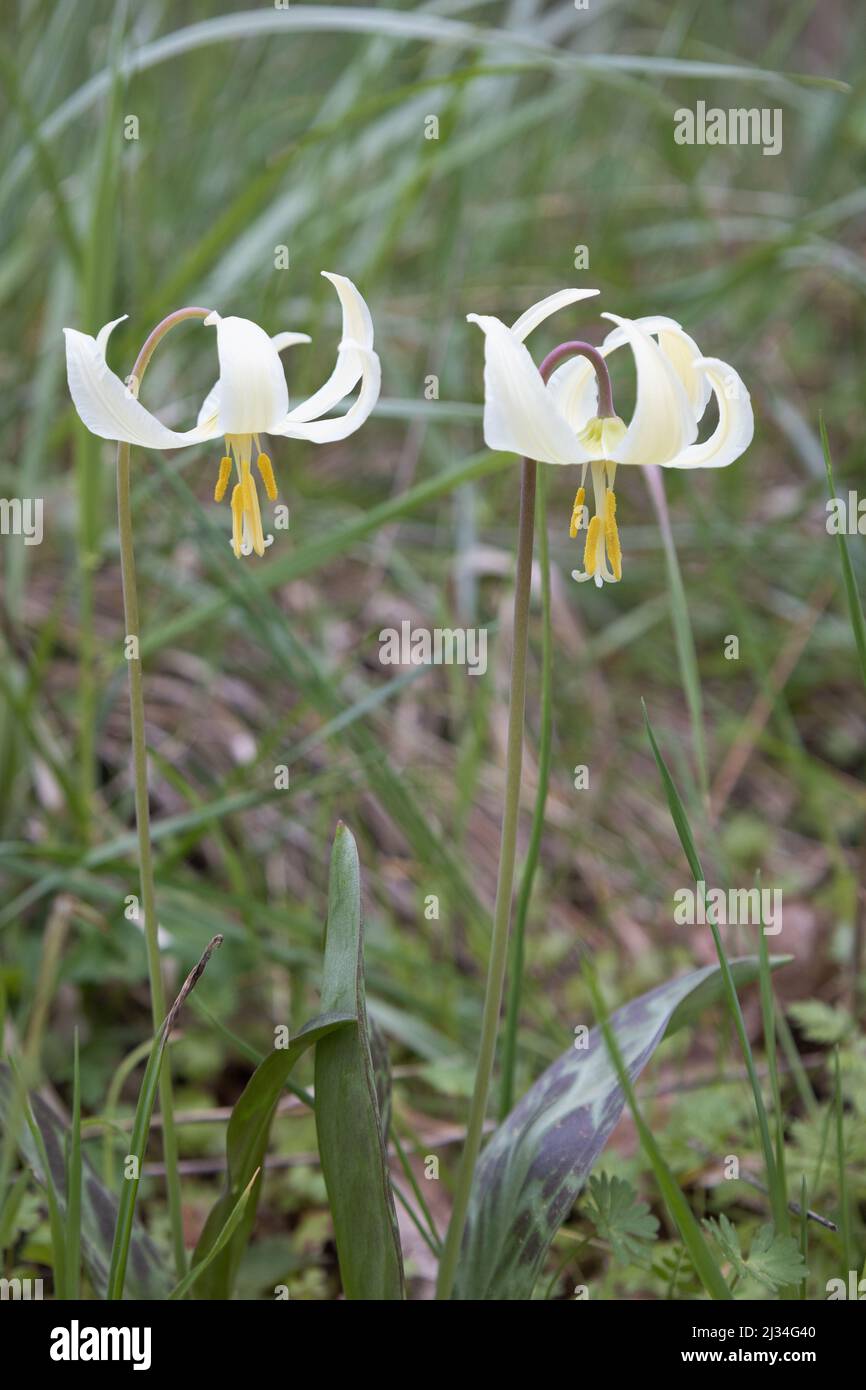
column 147, row 1272
column 247, row 1138
column 349, row 1103
column 531, row 1172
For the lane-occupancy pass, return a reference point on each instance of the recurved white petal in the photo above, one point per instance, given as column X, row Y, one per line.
column 107, row 406
column 252, row 384
column 736, row 426
column 357, row 333
column 284, row 340
column 682, row 351
column 106, row 331
column 520, row 415
column 663, row 423
column 361, row 363
column 537, row 313
column 575, row 388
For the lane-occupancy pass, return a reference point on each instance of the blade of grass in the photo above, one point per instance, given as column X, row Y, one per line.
column 183, row 1287
column 415, row 1219
column 41, row 154
column 681, row 822
column 141, row 1130
column 841, row 1171
column 109, row 1110
column 411, row 28
column 97, row 270
column 805, row 1090
column 855, row 608
column 768, row 1018
column 53, row 945
column 858, row 627
column 73, row 1184
column 804, row 1229
column 55, row 1209
column 433, row 1237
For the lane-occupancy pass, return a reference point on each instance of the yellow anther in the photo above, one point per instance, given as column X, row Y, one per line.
column 590, row 550
column 611, row 534
column 219, row 491
column 577, row 512
column 264, row 466
column 237, row 518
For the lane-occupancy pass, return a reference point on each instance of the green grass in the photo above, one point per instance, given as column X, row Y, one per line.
column 250, row 139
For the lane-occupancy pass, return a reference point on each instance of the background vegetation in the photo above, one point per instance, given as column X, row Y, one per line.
column 259, row 128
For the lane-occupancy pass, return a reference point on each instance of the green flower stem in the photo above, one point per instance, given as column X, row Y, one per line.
column 684, row 638
column 142, row 809
column 504, row 885
column 515, row 969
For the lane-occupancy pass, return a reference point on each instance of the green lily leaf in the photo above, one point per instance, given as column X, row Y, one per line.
column 351, row 1095
column 246, row 1144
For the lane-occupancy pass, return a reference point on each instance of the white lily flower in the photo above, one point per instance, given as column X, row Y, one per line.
column 560, row 417
column 249, row 399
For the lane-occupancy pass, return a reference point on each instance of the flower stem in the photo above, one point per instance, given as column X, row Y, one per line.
column 508, row 840
column 683, row 636
column 515, row 969
column 504, row 885
column 142, row 808
column 577, row 348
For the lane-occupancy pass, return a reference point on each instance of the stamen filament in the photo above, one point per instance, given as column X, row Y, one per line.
column 251, row 508
column 237, row 518
column 611, row 534
column 590, row 550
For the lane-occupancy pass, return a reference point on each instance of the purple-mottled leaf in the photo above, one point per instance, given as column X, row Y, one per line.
column 531, row 1172
column 147, row 1272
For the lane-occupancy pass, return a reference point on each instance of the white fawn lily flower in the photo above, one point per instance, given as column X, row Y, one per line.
column 562, row 411
column 249, row 400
